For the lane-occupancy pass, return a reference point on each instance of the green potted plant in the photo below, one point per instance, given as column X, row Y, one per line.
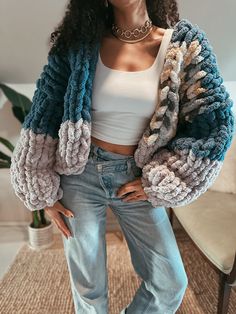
column 40, row 229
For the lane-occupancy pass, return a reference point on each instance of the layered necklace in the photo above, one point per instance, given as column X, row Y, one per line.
column 132, row 35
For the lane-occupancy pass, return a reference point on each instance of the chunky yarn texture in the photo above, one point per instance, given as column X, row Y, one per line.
column 181, row 152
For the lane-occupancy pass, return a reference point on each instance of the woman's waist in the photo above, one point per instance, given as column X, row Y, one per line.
column 122, row 150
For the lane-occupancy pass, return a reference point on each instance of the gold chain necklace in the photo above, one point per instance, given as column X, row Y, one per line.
column 125, row 35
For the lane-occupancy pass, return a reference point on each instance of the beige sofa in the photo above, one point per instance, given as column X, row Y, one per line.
column 210, row 222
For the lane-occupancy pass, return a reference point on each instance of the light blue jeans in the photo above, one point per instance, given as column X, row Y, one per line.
column 153, row 248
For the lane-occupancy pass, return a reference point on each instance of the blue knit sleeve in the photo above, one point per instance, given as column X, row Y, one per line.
column 32, row 175
column 189, row 163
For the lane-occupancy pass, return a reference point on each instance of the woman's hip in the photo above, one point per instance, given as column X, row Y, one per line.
column 103, row 174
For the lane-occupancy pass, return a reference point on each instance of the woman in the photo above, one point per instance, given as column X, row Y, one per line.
column 142, row 152
column 151, row 241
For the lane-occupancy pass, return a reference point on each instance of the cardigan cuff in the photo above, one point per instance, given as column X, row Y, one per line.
column 32, row 176
column 178, row 181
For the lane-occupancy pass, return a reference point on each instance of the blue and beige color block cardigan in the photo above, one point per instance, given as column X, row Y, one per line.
column 181, row 151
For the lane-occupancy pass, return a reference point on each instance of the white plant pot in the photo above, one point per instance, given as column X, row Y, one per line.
column 40, row 238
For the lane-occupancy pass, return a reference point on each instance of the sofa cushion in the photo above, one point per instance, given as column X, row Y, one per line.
column 226, row 180
column 210, row 222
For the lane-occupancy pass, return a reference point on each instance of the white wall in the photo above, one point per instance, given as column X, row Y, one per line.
column 25, row 26
column 217, row 19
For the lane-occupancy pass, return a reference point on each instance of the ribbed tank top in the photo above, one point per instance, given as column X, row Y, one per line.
column 123, row 102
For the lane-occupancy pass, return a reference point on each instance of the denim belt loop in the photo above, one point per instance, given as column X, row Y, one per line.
column 91, row 152
column 128, row 166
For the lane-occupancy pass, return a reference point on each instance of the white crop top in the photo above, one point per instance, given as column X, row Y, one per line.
column 123, row 102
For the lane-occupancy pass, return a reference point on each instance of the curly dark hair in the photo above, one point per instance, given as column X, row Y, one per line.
column 86, row 20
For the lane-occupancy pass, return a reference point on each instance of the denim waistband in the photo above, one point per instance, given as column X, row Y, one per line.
column 100, row 152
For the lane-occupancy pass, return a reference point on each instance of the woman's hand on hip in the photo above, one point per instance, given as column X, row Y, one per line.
column 134, row 189
column 54, row 213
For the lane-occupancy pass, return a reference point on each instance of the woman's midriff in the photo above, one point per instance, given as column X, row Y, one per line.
column 115, row 148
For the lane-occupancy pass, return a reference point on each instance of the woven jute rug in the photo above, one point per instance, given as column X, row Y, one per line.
column 38, row 282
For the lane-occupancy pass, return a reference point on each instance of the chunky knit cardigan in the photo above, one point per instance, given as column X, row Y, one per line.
column 181, row 150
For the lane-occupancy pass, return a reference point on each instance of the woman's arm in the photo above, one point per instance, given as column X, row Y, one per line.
column 32, row 175
column 187, row 166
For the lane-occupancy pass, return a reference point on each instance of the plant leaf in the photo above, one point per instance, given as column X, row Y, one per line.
column 18, row 113
column 4, row 164
column 7, row 143
column 5, row 157
column 18, row 100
